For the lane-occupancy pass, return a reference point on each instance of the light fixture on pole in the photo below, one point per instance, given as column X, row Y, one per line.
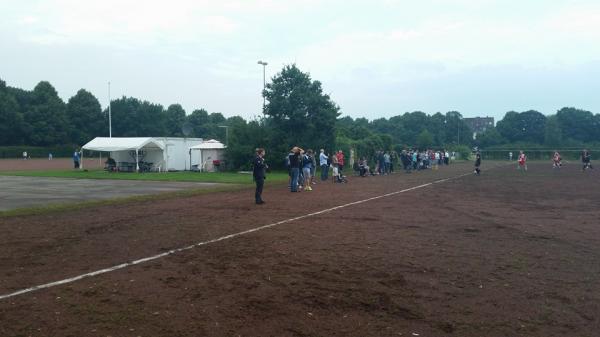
column 109, row 113
column 264, row 64
column 226, row 134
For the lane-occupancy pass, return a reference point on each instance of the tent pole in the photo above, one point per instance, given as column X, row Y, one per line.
column 137, row 161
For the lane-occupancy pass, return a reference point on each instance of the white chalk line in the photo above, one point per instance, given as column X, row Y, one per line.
column 222, row 238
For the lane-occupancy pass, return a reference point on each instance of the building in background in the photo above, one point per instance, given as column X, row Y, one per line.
column 479, row 124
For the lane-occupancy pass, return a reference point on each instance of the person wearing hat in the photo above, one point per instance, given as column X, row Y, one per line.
column 259, row 174
column 295, row 161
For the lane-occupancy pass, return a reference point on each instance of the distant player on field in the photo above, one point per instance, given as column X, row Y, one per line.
column 556, row 160
column 586, row 160
column 477, row 163
column 522, row 161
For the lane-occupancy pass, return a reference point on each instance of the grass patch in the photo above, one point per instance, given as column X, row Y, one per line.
column 208, row 177
column 76, row 206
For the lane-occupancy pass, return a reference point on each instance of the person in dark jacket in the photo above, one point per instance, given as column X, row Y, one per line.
column 259, row 174
column 477, row 163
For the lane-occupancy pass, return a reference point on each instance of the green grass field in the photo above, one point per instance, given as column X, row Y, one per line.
column 212, row 177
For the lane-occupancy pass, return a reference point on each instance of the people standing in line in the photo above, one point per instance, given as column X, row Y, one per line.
column 586, row 160
column 477, row 163
column 306, row 168
column 76, row 159
column 340, row 160
column 259, row 174
column 323, row 163
column 294, row 159
column 522, row 161
column 446, row 157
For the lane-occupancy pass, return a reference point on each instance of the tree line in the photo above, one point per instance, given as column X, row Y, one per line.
column 297, row 112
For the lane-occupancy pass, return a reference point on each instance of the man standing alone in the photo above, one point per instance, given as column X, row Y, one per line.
column 259, row 174
column 323, row 164
column 76, row 157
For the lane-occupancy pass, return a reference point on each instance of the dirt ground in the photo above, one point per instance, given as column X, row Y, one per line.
column 45, row 164
column 503, row 254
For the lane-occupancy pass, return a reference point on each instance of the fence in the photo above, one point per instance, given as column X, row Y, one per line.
column 537, row 154
column 65, row 151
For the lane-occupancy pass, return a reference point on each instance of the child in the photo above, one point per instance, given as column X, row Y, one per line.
column 556, row 160
column 522, row 161
column 477, row 163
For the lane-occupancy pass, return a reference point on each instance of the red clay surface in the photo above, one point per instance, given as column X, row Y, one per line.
column 37, row 164
column 503, row 254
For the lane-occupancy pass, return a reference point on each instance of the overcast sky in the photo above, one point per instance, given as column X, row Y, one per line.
column 375, row 58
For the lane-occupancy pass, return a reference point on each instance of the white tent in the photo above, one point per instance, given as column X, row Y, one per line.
column 210, row 151
column 164, row 153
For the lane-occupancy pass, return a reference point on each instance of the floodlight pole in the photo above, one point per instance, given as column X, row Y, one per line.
column 264, row 64
column 109, row 113
column 226, row 134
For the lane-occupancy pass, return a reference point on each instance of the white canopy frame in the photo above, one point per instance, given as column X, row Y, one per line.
column 106, row 144
column 211, row 144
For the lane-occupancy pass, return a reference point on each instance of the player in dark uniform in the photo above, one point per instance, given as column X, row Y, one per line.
column 586, row 159
column 259, row 174
column 477, row 163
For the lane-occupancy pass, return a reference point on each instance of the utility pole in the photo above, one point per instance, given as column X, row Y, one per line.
column 264, row 64
column 109, row 113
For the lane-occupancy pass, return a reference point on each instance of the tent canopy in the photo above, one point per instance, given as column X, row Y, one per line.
column 209, row 145
column 114, row 144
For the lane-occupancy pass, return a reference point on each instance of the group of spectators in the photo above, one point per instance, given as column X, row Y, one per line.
column 302, row 167
column 415, row 160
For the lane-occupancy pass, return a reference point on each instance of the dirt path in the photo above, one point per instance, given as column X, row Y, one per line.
column 503, row 254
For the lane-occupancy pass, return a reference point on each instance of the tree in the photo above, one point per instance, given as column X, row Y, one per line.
column 134, row 118
column 490, row 137
column 47, row 117
column 298, row 112
column 11, row 119
column 198, row 120
column 553, row 132
column 85, row 118
column 526, row 126
column 424, row 140
column 577, row 124
column 174, row 120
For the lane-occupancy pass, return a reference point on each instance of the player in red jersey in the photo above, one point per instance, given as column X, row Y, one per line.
column 522, row 161
column 556, row 160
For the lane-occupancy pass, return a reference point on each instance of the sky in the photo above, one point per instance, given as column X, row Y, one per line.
column 374, row 58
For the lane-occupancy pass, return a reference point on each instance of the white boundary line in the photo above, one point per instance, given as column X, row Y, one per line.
column 222, row 238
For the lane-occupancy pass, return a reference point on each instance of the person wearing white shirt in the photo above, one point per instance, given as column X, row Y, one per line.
column 323, row 163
